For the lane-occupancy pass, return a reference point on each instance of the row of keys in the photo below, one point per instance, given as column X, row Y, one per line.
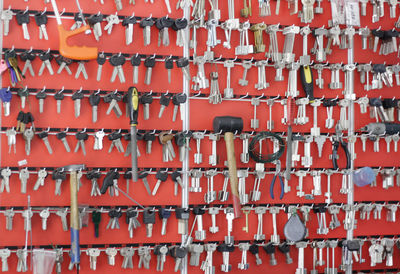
column 163, row 24
column 131, row 217
column 116, row 61
column 380, row 252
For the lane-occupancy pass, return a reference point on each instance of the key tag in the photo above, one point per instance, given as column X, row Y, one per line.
column 3, row 66
column 294, row 229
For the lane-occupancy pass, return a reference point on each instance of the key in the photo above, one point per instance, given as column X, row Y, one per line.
column 163, row 24
column 62, row 136
column 22, row 265
column 94, row 100
column 41, row 21
column 5, row 180
column 44, row 137
column 59, row 176
column 114, row 215
column 4, row 254
column 81, row 137
column 5, row 97
column 128, row 23
column 135, row 62
column 149, row 219
column 115, row 138
column 6, row 17
column 179, row 26
column 77, row 96
column 270, row 250
column 146, row 24
column 146, row 100
column 285, row 249
column 44, row 214
column 23, row 20
column 161, row 177
column 226, row 249
column 112, row 20
column 81, row 69
column 195, row 252
column 200, row 233
column 28, row 56
column 178, row 99
column 78, row 21
column 42, row 174
column 113, row 98
column 23, row 94
column 46, row 58
column 94, row 176
column 101, row 59
column 183, row 64
column 62, row 213
column 28, row 136
column 63, row 63
column 164, row 215
column 27, row 215
column 95, row 22
column 111, row 252
column 127, row 253
column 149, row 137
column 59, row 96
column 179, row 252
column 23, row 176
column 164, row 102
column 149, row 63
column 11, row 139
column 93, row 253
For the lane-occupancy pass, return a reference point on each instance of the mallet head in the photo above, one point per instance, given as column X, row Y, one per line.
column 228, row 124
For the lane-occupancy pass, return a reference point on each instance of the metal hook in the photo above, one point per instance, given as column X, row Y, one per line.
column 198, row 94
column 262, row 95
column 43, row 89
column 84, row 130
column 97, row 92
column 48, row 129
column 45, row 10
column 26, row 10
column 247, row 95
column 66, row 130
column 154, row 56
column 151, row 92
column 219, row 58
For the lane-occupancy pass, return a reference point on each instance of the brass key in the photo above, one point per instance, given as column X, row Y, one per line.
column 246, row 212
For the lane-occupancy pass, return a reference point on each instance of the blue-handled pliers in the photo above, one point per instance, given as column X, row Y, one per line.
column 277, row 174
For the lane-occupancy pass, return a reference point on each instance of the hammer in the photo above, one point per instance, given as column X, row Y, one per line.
column 228, row 125
column 74, row 221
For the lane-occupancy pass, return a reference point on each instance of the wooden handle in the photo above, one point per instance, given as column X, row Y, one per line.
column 74, row 218
column 75, row 52
column 230, row 152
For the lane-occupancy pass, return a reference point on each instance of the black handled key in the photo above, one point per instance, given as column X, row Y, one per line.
column 149, row 63
column 41, row 22
column 146, row 24
column 164, row 102
column 146, row 100
column 177, row 100
column 23, row 20
column 136, row 60
column 94, row 100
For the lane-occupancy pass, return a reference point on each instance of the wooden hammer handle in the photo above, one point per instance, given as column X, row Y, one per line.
column 75, row 252
column 230, row 151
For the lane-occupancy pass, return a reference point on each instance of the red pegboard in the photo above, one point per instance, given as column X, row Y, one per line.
column 199, row 120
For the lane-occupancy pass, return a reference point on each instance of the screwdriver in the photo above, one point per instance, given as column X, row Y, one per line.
column 307, row 81
column 133, row 107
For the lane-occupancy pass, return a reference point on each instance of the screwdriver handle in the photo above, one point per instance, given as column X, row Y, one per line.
column 307, row 82
column 133, row 105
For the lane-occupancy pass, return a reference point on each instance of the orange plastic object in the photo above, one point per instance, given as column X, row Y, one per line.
column 75, row 52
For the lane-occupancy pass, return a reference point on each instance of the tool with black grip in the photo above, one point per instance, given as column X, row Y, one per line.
column 307, row 81
column 133, row 107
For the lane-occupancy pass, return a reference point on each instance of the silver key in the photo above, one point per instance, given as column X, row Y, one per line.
column 28, row 136
column 23, row 176
column 5, row 181
column 42, row 174
column 4, row 254
column 44, row 214
column 6, row 17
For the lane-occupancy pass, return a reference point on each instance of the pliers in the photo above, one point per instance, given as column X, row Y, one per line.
column 336, row 142
column 277, row 174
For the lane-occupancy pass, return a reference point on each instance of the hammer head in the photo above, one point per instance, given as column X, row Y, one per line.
column 74, row 167
column 228, row 124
